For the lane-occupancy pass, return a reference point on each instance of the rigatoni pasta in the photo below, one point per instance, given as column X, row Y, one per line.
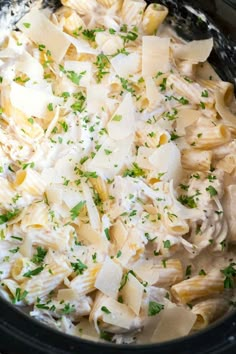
column 117, row 172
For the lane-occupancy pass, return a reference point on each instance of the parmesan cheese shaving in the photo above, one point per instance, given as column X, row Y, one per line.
column 195, row 51
column 32, row 102
column 109, row 278
column 41, row 31
column 155, row 57
column 122, row 122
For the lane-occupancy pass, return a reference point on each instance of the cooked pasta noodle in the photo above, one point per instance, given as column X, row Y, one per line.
column 117, row 173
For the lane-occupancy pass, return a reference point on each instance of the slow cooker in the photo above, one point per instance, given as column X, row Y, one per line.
column 20, row 334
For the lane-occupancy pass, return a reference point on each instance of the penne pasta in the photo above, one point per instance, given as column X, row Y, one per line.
column 198, row 287
column 208, row 311
column 199, row 160
column 154, row 16
column 132, row 12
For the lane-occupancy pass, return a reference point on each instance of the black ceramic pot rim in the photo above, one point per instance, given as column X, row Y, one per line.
column 20, row 333
column 219, row 337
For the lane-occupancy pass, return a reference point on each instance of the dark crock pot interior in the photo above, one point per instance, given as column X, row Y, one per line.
column 192, row 19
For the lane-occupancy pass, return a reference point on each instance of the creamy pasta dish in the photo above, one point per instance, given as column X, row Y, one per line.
column 117, row 174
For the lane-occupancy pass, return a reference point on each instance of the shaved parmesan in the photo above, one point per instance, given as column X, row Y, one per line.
column 81, row 45
column 125, row 65
column 144, row 153
column 32, row 102
column 167, row 159
column 196, row 51
column 112, row 163
column 175, row 322
column 152, row 93
column 91, row 207
column 186, row 117
column 120, row 315
column 132, row 293
column 30, row 66
column 92, row 237
column 109, row 278
column 155, row 57
column 224, row 111
column 146, row 271
column 96, row 98
column 122, row 122
column 42, row 31
column 84, row 68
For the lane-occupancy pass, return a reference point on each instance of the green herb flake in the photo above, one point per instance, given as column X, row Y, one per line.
column 8, row 216
column 188, row 270
column 187, row 201
column 79, row 267
column 26, row 25
column 154, row 308
column 105, row 309
column 34, row 272
column 107, row 233
column 68, row 308
column 75, row 211
column 205, row 93
column 19, row 296
column 117, row 118
column 39, row 256
column 202, row 272
column 212, row 191
column 229, row 273
column 74, row 77
column 167, row 244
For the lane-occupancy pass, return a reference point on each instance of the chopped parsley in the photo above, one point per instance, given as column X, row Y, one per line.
column 8, row 216
column 19, row 296
column 167, row 244
column 136, row 171
column 102, row 63
column 205, row 93
column 26, row 165
column 187, row 201
column 26, row 24
column 105, row 309
column 202, row 272
column 50, row 107
column 68, row 308
column 107, row 233
column 212, row 191
column 74, row 77
column 39, row 256
column 32, row 273
column 188, row 270
column 79, row 267
column 154, row 308
column 74, row 212
column 229, row 273
column 117, row 118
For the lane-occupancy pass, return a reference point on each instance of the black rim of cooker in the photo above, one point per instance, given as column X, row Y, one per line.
column 21, row 334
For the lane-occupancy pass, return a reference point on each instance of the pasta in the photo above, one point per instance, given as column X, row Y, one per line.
column 117, row 172
column 153, row 17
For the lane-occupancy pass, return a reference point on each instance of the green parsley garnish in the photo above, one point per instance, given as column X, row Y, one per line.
column 26, row 25
column 212, row 191
column 229, row 273
column 154, row 308
column 19, row 296
column 8, row 216
column 79, row 267
column 77, row 209
column 187, row 201
column 117, row 118
column 32, row 273
column 105, row 309
column 38, row 257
